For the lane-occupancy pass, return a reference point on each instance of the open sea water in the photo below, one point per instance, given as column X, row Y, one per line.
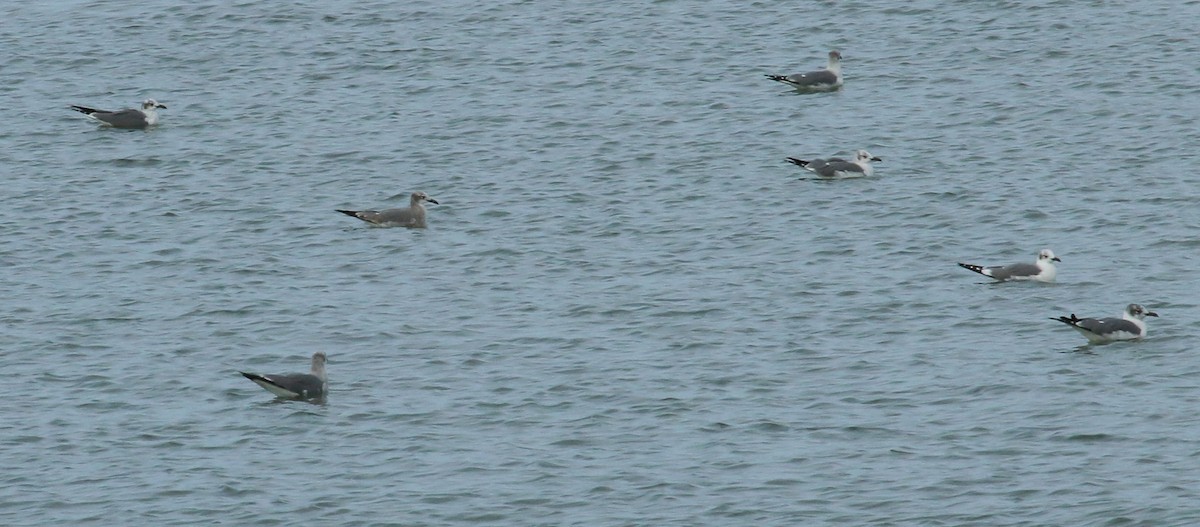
column 628, row 310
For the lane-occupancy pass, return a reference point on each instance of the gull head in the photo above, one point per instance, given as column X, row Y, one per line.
column 150, row 104
column 1047, row 254
column 1138, row 312
column 418, row 197
column 863, row 155
column 319, row 358
column 834, row 56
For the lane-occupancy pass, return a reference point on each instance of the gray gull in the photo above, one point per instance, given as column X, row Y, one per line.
column 411, row 216
column 296, row 385
column 838, row 167
column 1130, row 326
column 1043, row 270
column 127, row 118
column 827, row 79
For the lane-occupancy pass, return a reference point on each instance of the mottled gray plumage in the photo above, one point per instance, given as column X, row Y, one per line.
column 128, row 118
column 411, row 216
column 295, row 385
column 826, row 79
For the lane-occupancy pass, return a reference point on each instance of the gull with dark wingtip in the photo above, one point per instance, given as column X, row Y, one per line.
column 1043, row 270
column 296, row 385
column 828, row 79
column 836, row 167
column 411, row 216
column 127, row 118
column 1131, row 325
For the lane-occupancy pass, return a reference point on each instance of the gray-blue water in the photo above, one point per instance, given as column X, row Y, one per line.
column 628, row 309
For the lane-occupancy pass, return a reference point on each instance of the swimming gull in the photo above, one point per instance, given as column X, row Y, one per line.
column 296, row 385
column 1043, row 270
column 411, row 216
column 827, row 79
column 127, row 118
column 838, row 167
column 1130, row 326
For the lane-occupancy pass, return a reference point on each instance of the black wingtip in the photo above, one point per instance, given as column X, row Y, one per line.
column 797, row 162
column 972, row 267
column 1071, row 321
column 83, row 109
column 348, row 212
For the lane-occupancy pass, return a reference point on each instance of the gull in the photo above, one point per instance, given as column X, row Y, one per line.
column 296, row 385
column 1043, row 270
column 411, row 216
column 838, row 167
column 127, row 118
column 1130, row 326
column 827, row 79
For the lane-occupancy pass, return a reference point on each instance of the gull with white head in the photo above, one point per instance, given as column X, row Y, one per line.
column 1043, row 270
column 836, row 167
column 1131, row 325
column 127, row 118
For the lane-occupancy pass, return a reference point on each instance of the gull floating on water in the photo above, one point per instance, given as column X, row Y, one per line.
column 127, row 118
column 1130, row 326
column 411, row 216
column 296, row 385
column 1043, row 270
column 838, row 167
column 827, row 79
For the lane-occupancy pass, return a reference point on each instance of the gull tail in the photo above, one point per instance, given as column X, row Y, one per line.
column 84, row 109
column 800, row 163
column 977, row 268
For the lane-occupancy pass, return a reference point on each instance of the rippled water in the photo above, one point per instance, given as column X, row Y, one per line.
column 627, row 310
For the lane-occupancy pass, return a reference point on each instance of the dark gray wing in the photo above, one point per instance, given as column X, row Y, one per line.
column 1009, row 272
column 291, row 386
column 1108, row 326
column 814, row 164
column 123, row 119
column 406, row 217
column 812, row 78
column 835, row 167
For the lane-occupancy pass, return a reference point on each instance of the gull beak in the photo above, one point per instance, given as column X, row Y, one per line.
column 876, row 158
column 161, row 105
column 1151, row 314
column 1055, row 259
column 433, row 201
